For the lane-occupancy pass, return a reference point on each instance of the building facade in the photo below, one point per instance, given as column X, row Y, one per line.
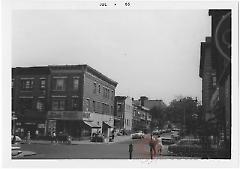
column 141, row 118
column 150, row 103
column 215, row 65
column 123, row 114
column 77, row 100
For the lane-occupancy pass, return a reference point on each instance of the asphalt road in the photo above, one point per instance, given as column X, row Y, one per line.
column 94, row 151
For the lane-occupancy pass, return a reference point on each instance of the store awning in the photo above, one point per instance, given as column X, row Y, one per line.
column 92, row 124
column 107, row 124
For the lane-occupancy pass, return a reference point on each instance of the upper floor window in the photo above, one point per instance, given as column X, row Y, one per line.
column 94, row 87
column 99, row 88
column 112, row 95
column 59, row 84
column 12, row 83
column 42, row 83
column 58, row 105
column 27, row 84
column 40, row 105
column 88, row 104
column 94, row 106
column 75, row 83
column 214, row 80
column 119, row 107
column 74, row 103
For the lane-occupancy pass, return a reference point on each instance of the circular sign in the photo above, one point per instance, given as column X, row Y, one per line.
column 223, row 36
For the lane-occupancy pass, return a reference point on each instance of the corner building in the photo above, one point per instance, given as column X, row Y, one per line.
column 79, row 101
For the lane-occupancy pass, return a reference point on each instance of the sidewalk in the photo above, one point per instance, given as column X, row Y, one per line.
column 23, row 154
column 117, row 139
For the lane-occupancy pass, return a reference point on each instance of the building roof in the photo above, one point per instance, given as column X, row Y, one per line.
column 85, row 68
column 38, row 70
column 47, row 69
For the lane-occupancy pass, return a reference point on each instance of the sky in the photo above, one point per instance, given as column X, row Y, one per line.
column 153, row 53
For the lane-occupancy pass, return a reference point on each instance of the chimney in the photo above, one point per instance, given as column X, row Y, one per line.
column 142, row 99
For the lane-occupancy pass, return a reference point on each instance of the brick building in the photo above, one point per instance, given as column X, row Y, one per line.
column 141, row 118
column 123, row 113
column 73, row 99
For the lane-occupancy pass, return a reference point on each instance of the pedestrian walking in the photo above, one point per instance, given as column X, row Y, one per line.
column 36, row 134
column 28, row 137
column 54, row 137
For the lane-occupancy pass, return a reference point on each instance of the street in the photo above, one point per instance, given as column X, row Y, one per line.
column 118, row 150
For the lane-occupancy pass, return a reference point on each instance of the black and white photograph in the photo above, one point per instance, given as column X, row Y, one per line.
column 132, row 81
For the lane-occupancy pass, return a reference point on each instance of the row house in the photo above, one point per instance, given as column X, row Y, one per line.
column 141, row 118
column 123, row 114
column 215, row 71
column 73, row 99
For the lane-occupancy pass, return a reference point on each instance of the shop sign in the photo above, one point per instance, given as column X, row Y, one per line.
column 215, row 98
column 68, row 115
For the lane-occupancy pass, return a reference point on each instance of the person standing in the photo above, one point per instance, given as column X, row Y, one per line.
column 28, row 137
column 36, row 134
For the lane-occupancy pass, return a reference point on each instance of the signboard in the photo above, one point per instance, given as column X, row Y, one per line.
column 215, row 98
column 223, row 36
column 68, row 115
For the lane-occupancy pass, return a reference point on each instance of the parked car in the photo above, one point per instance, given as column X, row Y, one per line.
column 137, row 135
column 64, row 138
column 17, row 139
column 186, row 147
column 167, row 140
column 97, row 138
column 16, row 145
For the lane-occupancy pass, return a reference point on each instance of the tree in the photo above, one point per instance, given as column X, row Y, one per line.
column 184, row 112
column 158, row 117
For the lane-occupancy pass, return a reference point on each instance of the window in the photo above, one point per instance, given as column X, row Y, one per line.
column 74, row 103
column 42, row 83
column 88, row 105
column 59, row 84
column 94, row 106
column 103, row 108
column 75, row 83
column 58, row 105
column 119, row 107
column 111, row 109
column 214, row 79
column 94, row 88
column 112, row 95
column 12, row 83
column 40, row 105
column 27, row 84
column 99, row 88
